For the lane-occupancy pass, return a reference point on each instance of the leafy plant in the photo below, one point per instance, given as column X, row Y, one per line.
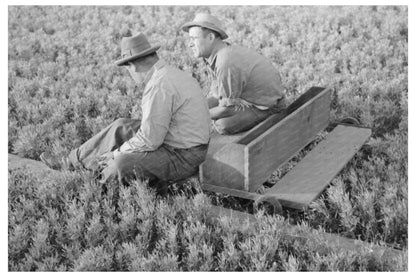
column 63, row 87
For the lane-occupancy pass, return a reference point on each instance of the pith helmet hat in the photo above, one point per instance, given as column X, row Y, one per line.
column 208, row 21
column 135, row 47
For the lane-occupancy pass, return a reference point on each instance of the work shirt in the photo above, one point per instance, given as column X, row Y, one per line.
column 174, row 112
column 243, row 77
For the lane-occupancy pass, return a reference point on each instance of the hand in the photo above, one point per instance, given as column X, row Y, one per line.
column 212, row 102
column 103, row 159
column 221, row 112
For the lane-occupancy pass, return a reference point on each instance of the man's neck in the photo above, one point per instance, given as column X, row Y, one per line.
column 153, row 69
column 150, row 63
column 218, row 45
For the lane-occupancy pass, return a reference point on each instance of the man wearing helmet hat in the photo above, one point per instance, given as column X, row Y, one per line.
column 170, row 140
column 246, row 88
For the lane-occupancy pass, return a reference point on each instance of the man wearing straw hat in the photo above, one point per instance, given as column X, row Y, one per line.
column 246, row 88
column 170, row 140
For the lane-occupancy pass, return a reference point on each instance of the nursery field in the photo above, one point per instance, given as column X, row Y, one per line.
column 63, row 87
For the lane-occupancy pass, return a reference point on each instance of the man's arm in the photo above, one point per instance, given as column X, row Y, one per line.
column 221, row 112
column 228, row 89
column 156, row 117
column 231, row 82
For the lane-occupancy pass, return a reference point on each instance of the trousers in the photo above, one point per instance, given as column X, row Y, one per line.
column 165, row 163
column 245, row 118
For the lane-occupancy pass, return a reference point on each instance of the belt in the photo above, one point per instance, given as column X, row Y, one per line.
column 189, row 148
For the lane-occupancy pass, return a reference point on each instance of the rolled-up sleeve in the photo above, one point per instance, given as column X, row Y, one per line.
column 230, row 84
column 156, row 116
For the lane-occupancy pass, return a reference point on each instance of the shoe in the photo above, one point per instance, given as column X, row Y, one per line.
column 161, row 187
column 48, row 160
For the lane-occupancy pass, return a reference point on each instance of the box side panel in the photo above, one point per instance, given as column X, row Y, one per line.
column 281, row 142
column 225, row 168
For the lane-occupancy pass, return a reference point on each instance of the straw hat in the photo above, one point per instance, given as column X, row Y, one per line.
column 208, row 21
column 135, row 47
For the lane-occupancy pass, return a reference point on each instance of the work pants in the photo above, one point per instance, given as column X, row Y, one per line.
column 164, row 164
column 245, row 118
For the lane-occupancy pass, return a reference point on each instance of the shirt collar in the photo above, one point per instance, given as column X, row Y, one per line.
column 212, row 58
column 158, row 65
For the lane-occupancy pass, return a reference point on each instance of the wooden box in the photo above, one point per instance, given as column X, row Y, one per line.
column 245, row 161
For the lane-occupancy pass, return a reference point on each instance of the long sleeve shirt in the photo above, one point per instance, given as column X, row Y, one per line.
column 174, row 112
column 243, row 77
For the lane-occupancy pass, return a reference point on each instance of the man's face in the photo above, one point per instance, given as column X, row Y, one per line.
column 136, row 72
column 200, row 45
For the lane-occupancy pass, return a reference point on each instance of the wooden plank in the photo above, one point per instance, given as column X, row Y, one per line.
column 281, row 142
column 217, row 141
column 230, row 191
column 306, row 181
column 225, row 167
column 15, row 162
column 276, row 118
column 311, row 235
column 216, row 169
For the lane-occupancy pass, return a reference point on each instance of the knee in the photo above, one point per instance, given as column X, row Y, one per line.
column 223, row 127
column 127, row 126
column 121, row 121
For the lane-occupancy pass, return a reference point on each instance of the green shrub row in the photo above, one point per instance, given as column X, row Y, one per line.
column 67, row 222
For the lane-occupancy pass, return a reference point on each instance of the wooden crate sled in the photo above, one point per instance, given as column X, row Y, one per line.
column 238, row 165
